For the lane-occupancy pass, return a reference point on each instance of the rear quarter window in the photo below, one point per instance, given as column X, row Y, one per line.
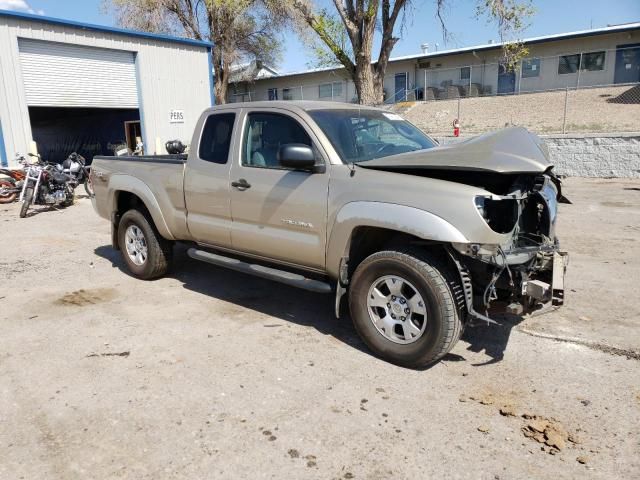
column 216, row 138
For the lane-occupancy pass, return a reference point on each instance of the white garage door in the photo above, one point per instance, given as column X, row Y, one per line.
column 64, row 75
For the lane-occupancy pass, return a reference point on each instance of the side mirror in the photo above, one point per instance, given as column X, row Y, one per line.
column 297, row 156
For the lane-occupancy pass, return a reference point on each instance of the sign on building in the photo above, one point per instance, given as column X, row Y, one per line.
column 176, row 116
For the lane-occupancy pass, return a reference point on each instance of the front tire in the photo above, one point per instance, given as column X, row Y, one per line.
column 26, row 201
column 146, row 253
column 403, row 306
column 71, row 198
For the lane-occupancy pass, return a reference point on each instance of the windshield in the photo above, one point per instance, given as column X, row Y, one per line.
column 360, row 135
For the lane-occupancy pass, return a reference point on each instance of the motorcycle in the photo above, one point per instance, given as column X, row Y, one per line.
column 76, row 167
column 11, row 184
column 44, row 184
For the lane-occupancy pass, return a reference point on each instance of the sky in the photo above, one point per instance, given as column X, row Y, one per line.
column 553, row 16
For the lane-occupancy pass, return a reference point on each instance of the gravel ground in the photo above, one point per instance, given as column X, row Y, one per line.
column 211, row 374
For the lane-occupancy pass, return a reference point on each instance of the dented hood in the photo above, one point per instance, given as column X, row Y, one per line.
column 512, row 150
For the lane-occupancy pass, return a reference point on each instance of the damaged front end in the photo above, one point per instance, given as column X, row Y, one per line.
column 526, row 273
column 518, row 262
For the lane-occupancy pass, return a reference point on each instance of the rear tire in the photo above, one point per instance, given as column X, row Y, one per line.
column 26, row 201
column 146, row 253
column 9, row 196
column 422, row 291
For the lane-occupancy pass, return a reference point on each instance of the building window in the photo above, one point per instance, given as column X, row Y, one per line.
column 330, row 90
column 531, row 67
column 465, row 73
column 273, row 94
column 286, row 94
column 568, row 64
column 593, row 61
column 337, row 89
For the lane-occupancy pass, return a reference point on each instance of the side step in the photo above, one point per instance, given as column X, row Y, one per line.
column 282, row 276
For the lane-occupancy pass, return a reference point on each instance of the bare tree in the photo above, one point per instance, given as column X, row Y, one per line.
column 360, row 20
column 238, row 29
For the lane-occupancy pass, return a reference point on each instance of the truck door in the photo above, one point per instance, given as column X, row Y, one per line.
column 206, row 181
column 278, row 213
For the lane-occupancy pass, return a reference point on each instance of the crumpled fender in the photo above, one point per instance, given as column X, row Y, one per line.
column 128, row 183
column 400, row 218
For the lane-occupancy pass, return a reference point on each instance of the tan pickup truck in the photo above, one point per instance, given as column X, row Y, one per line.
column 352, row 200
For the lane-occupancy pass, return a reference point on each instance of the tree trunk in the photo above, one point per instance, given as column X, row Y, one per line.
column 368, row 86
column 220, row 74
column 220, row 89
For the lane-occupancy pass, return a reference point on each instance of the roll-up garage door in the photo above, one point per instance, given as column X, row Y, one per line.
column 65, row 75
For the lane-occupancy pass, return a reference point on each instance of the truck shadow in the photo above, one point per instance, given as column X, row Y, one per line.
column 492, row 340
column 301, row 307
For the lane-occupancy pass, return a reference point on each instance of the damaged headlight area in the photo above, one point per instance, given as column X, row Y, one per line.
column 525, row 272
column 500, row 214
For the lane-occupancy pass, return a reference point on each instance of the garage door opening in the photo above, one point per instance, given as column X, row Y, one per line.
column 60, row 131
column 81, row 99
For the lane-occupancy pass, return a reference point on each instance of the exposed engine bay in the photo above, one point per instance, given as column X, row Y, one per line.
column 527, row 271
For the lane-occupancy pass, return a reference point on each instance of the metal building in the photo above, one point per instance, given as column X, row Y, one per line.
column 67, row 86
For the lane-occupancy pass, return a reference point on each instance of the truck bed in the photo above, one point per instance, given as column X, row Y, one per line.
column 157, row 177
column 180, row 158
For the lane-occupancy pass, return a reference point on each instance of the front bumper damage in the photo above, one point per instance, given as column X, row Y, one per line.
column 535, row 285
column 524, row 270
column 553, row 292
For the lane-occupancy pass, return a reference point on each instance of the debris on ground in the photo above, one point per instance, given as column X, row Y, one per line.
column 547, row 431
column 508, row 411
column 110, row 354
column 582, row 459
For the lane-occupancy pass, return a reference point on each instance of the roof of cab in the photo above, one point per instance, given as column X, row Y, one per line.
column 306, row 105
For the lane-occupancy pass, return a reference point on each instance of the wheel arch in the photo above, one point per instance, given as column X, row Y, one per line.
column 361, row 228
column 130, row 192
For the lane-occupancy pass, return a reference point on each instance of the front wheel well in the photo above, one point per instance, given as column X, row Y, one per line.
column 366, row 241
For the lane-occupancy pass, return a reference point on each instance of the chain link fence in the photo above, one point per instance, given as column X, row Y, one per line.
column 598, row 109
column 587, row 92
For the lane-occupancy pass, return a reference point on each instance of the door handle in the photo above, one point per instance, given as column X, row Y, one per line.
column 241, row 184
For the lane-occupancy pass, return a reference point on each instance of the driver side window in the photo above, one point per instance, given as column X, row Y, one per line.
column 265, row 133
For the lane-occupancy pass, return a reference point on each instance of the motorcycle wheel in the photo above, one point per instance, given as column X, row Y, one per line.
column 88, row 187
column 71, row 197
column 26, row 201
column 7, row 197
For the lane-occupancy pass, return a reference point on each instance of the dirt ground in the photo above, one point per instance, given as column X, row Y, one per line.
column 589, row 110
column 211, row 374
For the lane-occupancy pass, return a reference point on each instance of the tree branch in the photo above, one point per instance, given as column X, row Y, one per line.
column 315, row 24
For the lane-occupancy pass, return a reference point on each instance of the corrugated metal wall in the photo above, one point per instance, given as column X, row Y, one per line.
column 170, row 76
